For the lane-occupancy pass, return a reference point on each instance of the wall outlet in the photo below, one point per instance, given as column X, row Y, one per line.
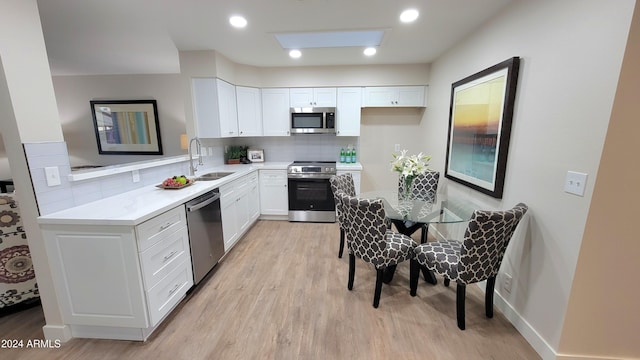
column 396, row 147
column 135, row 175
column 506, row 285
column 53, row 175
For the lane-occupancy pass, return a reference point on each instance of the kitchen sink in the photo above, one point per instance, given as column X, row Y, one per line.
column 213, row 176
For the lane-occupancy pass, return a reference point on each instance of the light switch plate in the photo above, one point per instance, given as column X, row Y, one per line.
column 53, row 175
column 575, row 183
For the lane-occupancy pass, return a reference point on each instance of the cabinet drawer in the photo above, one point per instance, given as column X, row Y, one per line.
column 164, row 256
column 169, row 291
column 154, row 230
column 273, row 176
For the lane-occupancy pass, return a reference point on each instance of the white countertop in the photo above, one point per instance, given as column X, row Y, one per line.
column 134, row 207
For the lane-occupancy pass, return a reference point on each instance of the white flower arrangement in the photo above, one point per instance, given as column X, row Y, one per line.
column 410, row 166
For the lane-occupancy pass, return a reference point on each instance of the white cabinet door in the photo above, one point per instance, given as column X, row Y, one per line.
column 324, row 97
column 205, row 107
column 274, row 196
column 411, row 96
column 249, row 106
column 230, row 229
column 228, row 111
column 214, row 105
column 319, row 97
column 392, row 96
column 348, row 111
column 301, row 97
column 254, row 198
column 99, row 277
column 275, row 112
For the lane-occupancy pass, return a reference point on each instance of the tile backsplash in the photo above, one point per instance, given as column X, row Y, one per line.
column 73, row 193
column 322, row 147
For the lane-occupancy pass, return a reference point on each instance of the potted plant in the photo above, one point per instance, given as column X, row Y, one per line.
column 234, row 153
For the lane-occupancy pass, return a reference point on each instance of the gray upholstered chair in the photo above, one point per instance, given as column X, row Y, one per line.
column 424, row 187
column 476, row 258
column 344, row 183
column 371, row 240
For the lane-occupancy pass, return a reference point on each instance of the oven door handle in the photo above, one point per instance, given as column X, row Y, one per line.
column 311, row 177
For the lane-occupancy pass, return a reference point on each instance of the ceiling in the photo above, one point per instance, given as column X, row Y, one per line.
column 144, row 36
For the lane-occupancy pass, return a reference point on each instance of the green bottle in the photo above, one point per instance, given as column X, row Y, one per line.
column 347, row 155
column 353, row 155
column 342, row 155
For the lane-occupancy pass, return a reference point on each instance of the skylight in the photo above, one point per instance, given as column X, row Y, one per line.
column 369, row 38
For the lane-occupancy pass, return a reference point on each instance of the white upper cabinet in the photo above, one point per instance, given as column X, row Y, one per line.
column 249, row 107
column 305, row 97
column 275, row 112
column 392, row 96
column 348, row 111
column 214, row 105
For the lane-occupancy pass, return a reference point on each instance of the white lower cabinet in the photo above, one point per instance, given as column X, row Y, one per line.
column 240, row 204
column 119, row 282
column 274, row 195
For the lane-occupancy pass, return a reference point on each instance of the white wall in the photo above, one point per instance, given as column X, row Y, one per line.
column 73, row 94
column 604, row 290
column 571, row 56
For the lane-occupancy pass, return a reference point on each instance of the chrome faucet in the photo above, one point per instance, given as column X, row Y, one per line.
column 192, row 169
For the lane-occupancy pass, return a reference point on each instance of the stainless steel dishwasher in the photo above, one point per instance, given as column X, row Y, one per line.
column 205, row 233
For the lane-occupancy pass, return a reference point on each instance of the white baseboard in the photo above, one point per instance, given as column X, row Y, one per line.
column 57, row 332
column 524, row 328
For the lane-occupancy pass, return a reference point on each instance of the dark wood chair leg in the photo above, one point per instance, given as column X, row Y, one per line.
column 429, row 276
column 414, row 274
column 376, row 295
column 341, row 243
column 460, row 295
column 388, row 274
column 352, row 270
column 488, row 296
column 423, row 234
column 447, row 281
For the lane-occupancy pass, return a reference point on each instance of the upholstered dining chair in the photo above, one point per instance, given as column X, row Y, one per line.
column 371, row 240
column 476, row 258
column 424, row 187
column 344, row 183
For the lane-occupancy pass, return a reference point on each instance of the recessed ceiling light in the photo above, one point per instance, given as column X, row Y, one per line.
column 409, row 15
column 370, row 51
column 295, row 54
column 238, row 21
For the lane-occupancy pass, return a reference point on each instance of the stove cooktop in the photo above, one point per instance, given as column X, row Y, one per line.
column 317, row 167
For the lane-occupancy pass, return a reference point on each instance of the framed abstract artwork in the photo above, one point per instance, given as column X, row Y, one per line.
column 127, row 127
column 480, row 117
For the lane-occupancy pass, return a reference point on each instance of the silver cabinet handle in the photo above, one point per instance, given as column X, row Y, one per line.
column 171, row 254
column 175, row 288
column 166, row 226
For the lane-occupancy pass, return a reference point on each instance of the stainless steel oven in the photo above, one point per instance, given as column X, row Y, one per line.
column 310, row 196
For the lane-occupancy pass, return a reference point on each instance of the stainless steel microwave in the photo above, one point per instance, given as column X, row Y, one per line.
column 313, row 120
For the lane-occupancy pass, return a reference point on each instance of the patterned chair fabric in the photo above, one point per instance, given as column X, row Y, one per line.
column 372, row 241
column 476, row 258
column 18, row 287
column 342, row 183
column 424, row 186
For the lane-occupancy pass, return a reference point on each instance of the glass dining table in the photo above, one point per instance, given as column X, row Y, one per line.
column 409, row 214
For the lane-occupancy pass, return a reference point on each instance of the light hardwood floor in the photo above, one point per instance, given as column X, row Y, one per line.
column 281, row 293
